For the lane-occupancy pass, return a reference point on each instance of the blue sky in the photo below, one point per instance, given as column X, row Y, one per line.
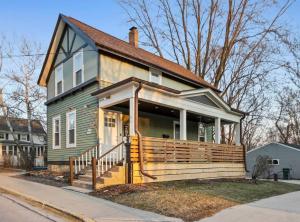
column 35, row 19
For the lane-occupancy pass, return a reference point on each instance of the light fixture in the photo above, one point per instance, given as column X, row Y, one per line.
column 172, row 111
column 156, row 107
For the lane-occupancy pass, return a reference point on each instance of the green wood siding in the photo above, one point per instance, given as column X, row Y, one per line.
column 90, row 63
column 86, row 107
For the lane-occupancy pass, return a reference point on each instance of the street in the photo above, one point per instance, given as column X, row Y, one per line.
column 12, row 209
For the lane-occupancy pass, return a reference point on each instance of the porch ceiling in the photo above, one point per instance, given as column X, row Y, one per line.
column 162, row 110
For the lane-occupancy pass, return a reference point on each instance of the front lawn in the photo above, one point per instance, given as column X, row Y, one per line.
column 193, row 199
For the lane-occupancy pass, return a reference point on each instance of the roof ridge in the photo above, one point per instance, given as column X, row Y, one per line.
column 137, row 48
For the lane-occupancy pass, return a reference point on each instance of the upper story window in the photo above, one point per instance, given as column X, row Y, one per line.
column 24, row 137
column 1, row 136
column 78, row 68
column 59, row 80
column 56, row 132
column 155, row 77
column 71, row 129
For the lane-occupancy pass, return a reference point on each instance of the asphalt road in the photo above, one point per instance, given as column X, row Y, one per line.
column 12, row 210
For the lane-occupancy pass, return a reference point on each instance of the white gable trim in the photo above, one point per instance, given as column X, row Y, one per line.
column 211, row 95
column 280, row 144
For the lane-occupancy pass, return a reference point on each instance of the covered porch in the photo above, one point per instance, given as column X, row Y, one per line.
column 173, row 135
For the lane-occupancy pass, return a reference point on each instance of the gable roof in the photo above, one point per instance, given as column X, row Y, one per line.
column 296, row 146
column 285, row 145
column 20, row 125
column 104, row 41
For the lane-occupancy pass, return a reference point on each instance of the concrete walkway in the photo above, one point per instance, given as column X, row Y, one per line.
column 283, row 208
column 88, row 207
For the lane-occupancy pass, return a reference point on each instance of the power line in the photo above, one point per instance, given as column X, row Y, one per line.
column 38, row 54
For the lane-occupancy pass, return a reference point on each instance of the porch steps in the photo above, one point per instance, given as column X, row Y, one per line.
column 114, row 176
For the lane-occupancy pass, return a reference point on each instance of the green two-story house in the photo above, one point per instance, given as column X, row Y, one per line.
column 101, row 89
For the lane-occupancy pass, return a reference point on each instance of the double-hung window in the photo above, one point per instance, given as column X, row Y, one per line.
column 24, row 137
column 59, row 88
column 56, row 132
column 1, row 136
column 71, row 128
column 78, row 68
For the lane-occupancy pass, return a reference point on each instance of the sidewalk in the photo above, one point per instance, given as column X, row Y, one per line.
column 85, row 206
column 282, row 208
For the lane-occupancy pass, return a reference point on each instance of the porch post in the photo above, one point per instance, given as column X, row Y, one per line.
column 183, row 124
column 218, row 130
column 101, row 125
column 131, row 117
column 237, row 131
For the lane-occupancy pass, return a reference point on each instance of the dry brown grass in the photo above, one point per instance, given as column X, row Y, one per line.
column 192, row 200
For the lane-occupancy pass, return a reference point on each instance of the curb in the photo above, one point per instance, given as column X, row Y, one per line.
column 43, row 203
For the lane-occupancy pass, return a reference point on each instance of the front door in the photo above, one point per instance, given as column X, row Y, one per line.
column 112, row 132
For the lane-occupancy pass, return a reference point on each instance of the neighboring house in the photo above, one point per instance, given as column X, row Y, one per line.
column 284, row 159
column 101, row 89
column 8, row 146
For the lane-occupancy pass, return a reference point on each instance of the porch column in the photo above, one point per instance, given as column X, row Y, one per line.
column 218, row 130
column 237, row 131
column 131, row 117
column 183, row 124
column 101, row 125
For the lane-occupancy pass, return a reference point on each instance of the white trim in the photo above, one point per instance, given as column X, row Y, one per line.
column 80, row 52
column 62, row 80
column 174, row 128
column 53, row 132
column 205, row 136
column 155, row 73
column 278, row 160
column 68, row 145
column 273, row 143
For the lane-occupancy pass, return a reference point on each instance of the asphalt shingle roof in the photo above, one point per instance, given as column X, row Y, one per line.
column 20, row 125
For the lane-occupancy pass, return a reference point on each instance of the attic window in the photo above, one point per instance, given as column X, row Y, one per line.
column 155, row 78
column 59, row 80
column 273, row 161
column 78, row 68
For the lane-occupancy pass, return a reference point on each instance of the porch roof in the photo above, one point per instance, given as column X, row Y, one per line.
column 183, row 94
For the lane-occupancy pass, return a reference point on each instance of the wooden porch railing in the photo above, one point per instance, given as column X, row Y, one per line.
column 170, row 150
column 84, row 160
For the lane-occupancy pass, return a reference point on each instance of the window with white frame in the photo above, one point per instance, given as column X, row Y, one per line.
column 71, row 129
column 78, row 68
column 201, row 132
column 1, row 136
column 273, row 161
column 24, row 137
column 59, row 80
column 56, row 132
column 155, row 77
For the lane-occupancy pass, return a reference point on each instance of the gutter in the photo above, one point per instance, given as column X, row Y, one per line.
column 136, row 125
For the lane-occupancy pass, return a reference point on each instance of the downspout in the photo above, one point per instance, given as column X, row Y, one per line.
column 136, row 126
column 242, row 142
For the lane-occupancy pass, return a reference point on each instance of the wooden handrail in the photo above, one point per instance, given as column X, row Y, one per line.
column 112, row 149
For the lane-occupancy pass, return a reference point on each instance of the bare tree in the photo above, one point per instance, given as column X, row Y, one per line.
column 232, row 44
column 25, row 98
column 287, row 120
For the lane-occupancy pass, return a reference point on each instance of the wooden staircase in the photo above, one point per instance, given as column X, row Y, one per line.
column 109, row 168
